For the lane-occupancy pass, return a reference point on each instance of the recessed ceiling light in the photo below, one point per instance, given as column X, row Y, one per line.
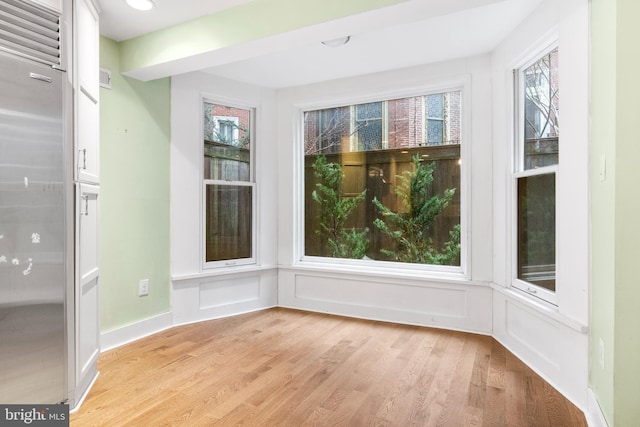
column 141, row 4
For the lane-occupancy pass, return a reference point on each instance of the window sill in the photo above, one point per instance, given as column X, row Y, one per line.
column 547, row 309
column 385, row 272
column 220, row 272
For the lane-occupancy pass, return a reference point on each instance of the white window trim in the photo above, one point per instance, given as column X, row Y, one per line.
column 517, row 170
column 241, row 262
column 457, row 273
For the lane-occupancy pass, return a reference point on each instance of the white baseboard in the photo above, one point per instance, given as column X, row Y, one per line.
column 126, row 334
column 84, row 395
column 593, row 414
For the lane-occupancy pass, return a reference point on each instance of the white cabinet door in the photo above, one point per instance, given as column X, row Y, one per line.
column 87, row 86
column 87, row 140
column 87, row 278
column 87, row 45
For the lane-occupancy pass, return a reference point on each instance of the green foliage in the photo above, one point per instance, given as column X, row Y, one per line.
column 410, row 229
column 335, row 210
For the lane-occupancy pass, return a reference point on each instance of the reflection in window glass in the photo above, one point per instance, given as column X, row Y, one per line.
column 382, row 180
column 227, row 148
column 537, row 230
column 228, row 222
column 369, row 126
column 435, row 119
column 228, row 185
column 541, row 112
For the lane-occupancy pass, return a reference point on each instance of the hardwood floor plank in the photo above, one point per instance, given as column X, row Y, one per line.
column 480, row 374
column 282, row 367
column 497, row 366
column 537, row 414
column 494, row 407
column 515, row 399
column 456, row 402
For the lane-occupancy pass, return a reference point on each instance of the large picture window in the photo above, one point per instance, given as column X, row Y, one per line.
column 382, row 180
column 537, row 157
column 228, row 185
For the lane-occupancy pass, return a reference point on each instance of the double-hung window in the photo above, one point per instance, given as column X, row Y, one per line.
column 535, row 172
column 228, row 185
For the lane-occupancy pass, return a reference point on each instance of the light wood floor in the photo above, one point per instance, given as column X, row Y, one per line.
column 284, row 367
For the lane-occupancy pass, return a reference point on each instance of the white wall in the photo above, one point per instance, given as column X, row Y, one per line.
column 201, row 294
column 552, row 340
column 456, row 301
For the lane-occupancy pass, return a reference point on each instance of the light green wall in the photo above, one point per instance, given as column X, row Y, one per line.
column 250, row 21
column 615, row 206
column 134, row 194
column 627, row 298
column 602, row 149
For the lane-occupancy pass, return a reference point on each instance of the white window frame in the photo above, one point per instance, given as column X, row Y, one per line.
column 518, row 172
column 456, row 273
column 252, row 260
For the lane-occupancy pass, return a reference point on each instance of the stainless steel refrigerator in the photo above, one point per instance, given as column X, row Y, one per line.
column 35, row 242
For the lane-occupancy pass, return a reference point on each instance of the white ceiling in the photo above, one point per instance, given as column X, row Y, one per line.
column 399, row 44
column 120, row 22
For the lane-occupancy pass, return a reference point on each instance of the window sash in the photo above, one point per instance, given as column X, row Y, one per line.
column 229, row 168
column 527, row 168
column 546, row 148
column 227, row 223
column 536, row 207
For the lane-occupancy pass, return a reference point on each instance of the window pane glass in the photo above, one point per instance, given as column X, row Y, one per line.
column 541, row 112
column 435, row 106
column 537, row 230
column 227, row 143
column 369, row 126
column 327, row 131
column 228, row 222
column 435, row 130
column 399, row 202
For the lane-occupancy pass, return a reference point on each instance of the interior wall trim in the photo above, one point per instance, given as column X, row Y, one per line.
column 593, row 414
column 134, row 331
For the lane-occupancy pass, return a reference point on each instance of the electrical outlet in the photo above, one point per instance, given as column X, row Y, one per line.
column 143, row 288
column 601, row 353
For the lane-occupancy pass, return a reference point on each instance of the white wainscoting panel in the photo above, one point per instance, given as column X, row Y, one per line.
column 448, row 305
column 229, row 291
column 531, row 331
column 556, row 350
column 210, row 297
